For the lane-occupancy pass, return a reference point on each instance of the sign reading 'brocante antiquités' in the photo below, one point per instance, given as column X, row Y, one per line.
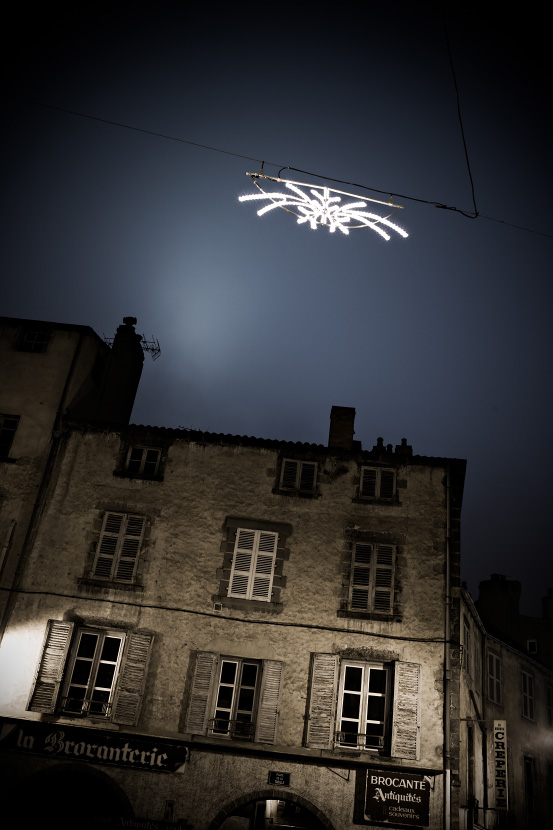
column 397, row 798
column 92, row 745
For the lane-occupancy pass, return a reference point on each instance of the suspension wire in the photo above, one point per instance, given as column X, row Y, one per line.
column 282, row 167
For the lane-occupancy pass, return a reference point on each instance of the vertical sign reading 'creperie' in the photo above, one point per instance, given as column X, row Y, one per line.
column 500, row 764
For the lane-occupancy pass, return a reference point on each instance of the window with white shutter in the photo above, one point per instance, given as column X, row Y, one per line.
column 253, row 564
column 364, row 706
column 101, row 673
column 372, row 578
column 298, row 476
column 119, row 546
column 235, row 698
column 495, row 679
column 377, row 483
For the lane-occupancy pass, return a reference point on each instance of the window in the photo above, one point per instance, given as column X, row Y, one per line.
column 477, row 666
column 235, row 698
column 466, row 646
column 143, row 462
column 377, row 483
column 118, row 547
column 8, row 426
column 100, row 673
column 495, row 680
column 532, row 646
column 527, row 696
column 298, row 476
column 253, row 563
column 529, row 795
column 372, row 578
column 364, row 706
column 34, row 340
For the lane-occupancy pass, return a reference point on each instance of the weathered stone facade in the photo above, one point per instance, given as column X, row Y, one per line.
column 261, row 608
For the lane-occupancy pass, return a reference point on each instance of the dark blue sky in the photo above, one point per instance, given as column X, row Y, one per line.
column 443, row 338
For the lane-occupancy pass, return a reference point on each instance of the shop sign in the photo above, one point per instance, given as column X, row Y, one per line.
column 94, row 746
column 279, row 779
column 500, row 764
column 399, row 798
column 120, row 822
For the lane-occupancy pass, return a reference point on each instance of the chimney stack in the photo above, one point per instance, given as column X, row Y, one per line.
column 122, row 376
column 341, row 431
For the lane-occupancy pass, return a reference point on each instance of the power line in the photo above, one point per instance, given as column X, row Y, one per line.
column 262, row 162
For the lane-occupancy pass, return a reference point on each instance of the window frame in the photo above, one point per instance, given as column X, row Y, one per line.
column 54, row 672
column 254, row 582
column 298, row 475
column 5, row 446
column 494, row 678
column 140, row 473
column 36, row 344
column 204, row 696
column 377, row 487
column 72, row 668
column 238, row 686
column 369, row 578
column 365, row 695
column 466, row 651
column 119, row 551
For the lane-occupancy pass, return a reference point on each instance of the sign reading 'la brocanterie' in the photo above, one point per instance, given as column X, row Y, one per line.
column 397, row 798
column 94, row 746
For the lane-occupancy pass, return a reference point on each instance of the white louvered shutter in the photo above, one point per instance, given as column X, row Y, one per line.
column 360, row 584
column 132, row 678
column 384, row 579
column 204, row 671
column 406, row 711
column 322, row 702
column 49, row 673
column 269, row 702
column 253, row 563
column 119, row 547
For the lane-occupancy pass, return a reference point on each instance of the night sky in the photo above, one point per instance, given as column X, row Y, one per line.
column 443, row 338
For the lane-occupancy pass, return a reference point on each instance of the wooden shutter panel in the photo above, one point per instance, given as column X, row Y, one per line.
column 406, row 715
column 108, row 543
column 262, row 584
column 360, row 585
column 269, row 702
column 368, row 482
column 384, row 579
column 387, row 484
column 289, row 475
column 242, row 562
column 322, row 703
column 49, row 673
column 130, row 548
column 132, row 678
column 307, row 477
column 201, row 687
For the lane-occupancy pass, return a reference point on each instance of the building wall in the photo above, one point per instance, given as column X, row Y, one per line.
column 178, row 589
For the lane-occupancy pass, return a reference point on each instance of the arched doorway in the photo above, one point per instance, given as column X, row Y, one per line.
column 66, row 796
column 266, row 809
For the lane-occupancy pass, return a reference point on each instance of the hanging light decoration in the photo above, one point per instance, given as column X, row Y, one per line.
column 323, row 207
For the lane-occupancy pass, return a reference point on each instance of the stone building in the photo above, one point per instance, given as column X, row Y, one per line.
column 506, row 709
column 215, row 631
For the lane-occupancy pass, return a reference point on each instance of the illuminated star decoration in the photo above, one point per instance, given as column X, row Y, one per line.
column 322, row 208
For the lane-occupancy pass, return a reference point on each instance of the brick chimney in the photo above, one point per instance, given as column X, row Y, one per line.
column 341, row 431
column 122, row 376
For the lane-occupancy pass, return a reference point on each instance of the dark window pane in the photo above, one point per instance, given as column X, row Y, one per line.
column 377, row 681
column 110, row 651
column 375, row 708
column 249, row 674
column 228, row 672
column 87, row 645
column 224, row 697
column 76, row 694
column 104, row 677
column 81, row 672
column 353, row 678
column 350, row 707
column 245, row 700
